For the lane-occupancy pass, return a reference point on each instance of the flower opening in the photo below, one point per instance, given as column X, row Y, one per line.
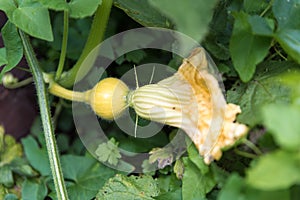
column 192, row 100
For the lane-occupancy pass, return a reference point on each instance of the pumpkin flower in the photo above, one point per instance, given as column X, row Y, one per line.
column 192, row 100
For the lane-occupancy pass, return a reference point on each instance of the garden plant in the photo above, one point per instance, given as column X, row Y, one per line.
column 150, row 99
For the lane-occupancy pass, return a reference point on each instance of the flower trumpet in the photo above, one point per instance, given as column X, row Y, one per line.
column 192, row 100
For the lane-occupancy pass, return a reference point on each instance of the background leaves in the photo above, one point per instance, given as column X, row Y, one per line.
column 127, row 188
column 195, row 184
column 286, row 133
column 85, row 176
column 194, row 21
column 265, row 88
column 12, row 53
column 83, row 8
column 287, row 33
column 253, row 46
column 143, row 13
column 30, row 16
column 278, row 170
column 256, row 46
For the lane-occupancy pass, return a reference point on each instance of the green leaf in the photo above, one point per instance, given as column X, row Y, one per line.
column 246, row 48
column 286, row 13
column 37, row 127
column 125, row 166
column 197, row 159
column 291, row 79
column 78, row 32
column 10, row 160
column 108, row 152
column 179, row 168
column 36, row 156
column 34, row 190
column 195, row 185
column 232, row 189
column 135, row 56
column 217, row 41
column 83, row 8
column 13, row 47
column 174, row 195
column 285, row 132
column 236, row 188
column 33, row 18
column 255, row 6
column 20, row 166
column 143, row 13
column 3, row 59
column 57, row 5
column 128, row 188
column 148, row 168
column 170, row 188
column 11, row 197
column 290, row 42
column 288, row 33
column 9, row 149
column 8, row 6
column 85, row 176
column 263, row 89
column 163, row 156
column 6, row 176
column 168, row 183
column 220, row 174
column 190, row 17
column 295, row 192
column 135, row 145
column 261, row 26
column 277, row 170
column 216, row 48
column 63, row 142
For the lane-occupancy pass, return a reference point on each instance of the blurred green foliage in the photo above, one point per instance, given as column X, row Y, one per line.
column 256, row 46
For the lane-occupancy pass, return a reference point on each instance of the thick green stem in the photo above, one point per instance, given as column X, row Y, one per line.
column 52, row 150
column 71, row 95
column 96, row 36
column 63, row 46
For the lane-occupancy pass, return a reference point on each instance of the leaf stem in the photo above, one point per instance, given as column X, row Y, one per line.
column 18, row 84
column 279, row 53
column 267, row 8
column 23, row 69
column 245, row 154
column 252, row 146
column 63, row 47
column 96, row 35
column 58, row 109
column 52, row 150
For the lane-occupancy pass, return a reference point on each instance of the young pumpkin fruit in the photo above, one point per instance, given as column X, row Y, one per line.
column 108, row 98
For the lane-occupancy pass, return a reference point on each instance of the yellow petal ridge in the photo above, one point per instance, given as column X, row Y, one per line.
column 192, row 100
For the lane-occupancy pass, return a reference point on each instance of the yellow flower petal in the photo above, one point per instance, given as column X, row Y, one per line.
column 192, row 100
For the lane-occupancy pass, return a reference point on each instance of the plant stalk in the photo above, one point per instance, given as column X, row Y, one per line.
column 96, row 36
column 71, row 95
column 18, row 84
column 63, row 46
column 52, row 149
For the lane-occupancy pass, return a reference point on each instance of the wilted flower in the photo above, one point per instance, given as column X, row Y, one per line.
column 192, row 100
